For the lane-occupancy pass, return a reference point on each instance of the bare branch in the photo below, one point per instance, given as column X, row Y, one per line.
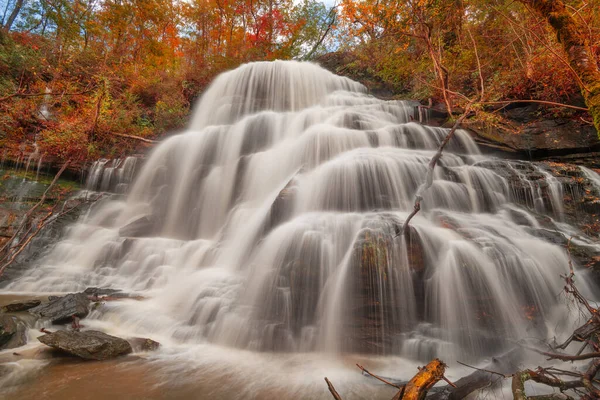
column 334, row 393
column 149, row 141
column 378, row 377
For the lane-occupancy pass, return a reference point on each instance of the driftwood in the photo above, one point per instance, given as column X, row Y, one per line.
column 497, row 370
column 334, row 393
column 415, row 389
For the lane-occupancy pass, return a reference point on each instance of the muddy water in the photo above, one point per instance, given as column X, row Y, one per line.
column 133, row 377
column 205, row 371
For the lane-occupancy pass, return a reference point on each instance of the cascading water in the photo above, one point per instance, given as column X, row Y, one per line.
column 272, row 224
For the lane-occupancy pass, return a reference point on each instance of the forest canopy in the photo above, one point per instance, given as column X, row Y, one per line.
column 86, row 78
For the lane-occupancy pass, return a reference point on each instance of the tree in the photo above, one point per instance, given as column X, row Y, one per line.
column 576, row 43
column 13, row 15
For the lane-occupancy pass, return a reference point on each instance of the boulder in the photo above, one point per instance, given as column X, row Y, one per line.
column 62, row 309
column 143, row 226
column 12, row 332
column 143, row 344
column 89, row 345
column 20, row 306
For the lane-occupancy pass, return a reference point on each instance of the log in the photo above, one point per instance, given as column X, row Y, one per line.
column 429, row 375
column 492, row 373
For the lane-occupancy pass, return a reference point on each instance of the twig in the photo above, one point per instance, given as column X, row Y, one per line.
column 564, row 357
column 448, row 381
column 485, row 370
column 378, row 377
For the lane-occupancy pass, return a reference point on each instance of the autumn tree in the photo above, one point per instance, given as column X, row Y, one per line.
column 573, row 33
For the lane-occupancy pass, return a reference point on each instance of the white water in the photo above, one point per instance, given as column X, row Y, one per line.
column 271, row 224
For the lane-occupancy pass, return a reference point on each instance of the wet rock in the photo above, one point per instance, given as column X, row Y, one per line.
column 94, row 291
column 61, row 310
column 12, row 332
column 89, row 345
column 20, row 306
column 143, row 344
column 527, row 133
column 140, row 227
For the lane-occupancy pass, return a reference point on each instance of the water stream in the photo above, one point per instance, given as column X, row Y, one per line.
column 268, row 233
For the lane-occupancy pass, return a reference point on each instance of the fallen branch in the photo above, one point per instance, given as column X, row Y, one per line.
column 564, row 357
column 334, row 393
column 22, row 245
column 498, row 369
column 539, row 376
column 429, row 375
column 430, row 169
column 150, row 141
column 35, row 207
column 378, row 377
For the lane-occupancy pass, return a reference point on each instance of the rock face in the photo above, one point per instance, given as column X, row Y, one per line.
column 89, row 345
column 61, row 310
column 12, row 332
column 20, row 306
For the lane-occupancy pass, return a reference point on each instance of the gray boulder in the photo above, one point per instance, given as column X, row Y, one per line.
column 89, row 345
column 20, row 306
column 62, row 309
column 12, row 332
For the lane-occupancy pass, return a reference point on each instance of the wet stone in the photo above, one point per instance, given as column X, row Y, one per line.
column 62, row 309
column 12, row 332
column 20, row 306
column 89, row 345
column 143, row 344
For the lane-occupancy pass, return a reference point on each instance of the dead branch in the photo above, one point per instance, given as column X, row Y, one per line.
column 430, row 169
column 498, row 369
column 564, row 357
column 334, row 393
column 485, row 370
column 429, row 375
column 22, row 245
column 540, row 376
column 150, row 141
column 35, row 207
column 363, row 369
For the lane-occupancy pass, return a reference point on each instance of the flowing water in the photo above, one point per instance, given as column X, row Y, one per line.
column 268, row 233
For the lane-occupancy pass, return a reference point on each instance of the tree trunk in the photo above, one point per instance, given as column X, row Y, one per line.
column 13, row 15
column 575, row 42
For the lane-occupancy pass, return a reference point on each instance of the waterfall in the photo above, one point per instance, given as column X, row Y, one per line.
column 272, row 224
